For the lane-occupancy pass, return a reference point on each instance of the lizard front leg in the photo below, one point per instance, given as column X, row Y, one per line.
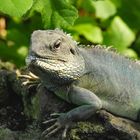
column 88, row 103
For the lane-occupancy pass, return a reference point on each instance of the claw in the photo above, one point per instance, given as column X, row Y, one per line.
column 49, row 121
column 55, row 114
column 50, row 129
column 59, row 122
column 27, row 82
column 31, row 79
column 64, row 135
column 33, row 76
column 29, row 76
column 52, row 132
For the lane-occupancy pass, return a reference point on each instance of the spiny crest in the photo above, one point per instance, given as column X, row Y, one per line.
column 61, row 32
column 111, row 49
column 102, row 47
column 137, row 62
column 107, row 48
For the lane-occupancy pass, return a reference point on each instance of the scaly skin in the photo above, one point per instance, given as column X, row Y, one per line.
column 93, row 78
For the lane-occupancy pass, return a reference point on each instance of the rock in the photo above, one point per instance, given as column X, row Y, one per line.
column 22, row 107
column 101, row 126
column 7, row 134
column 15, row 100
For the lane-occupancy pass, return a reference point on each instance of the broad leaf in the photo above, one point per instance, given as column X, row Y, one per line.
column 129, row 11
column 119, row 34
column 55, row 13
column 104, row 8
column 91, row 32
column 88, row 6
column 130, row 53
column 15, row 7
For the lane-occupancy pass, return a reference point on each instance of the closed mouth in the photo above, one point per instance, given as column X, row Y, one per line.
column 33, row 58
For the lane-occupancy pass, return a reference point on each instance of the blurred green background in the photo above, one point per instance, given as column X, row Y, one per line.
column 113, row 23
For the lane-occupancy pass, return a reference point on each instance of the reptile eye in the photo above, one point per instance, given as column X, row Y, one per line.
column 57, row 44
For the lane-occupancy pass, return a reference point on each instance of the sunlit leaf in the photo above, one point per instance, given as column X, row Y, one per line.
column 54, row 13
column 90, row 32
column 22, row 51
column 119, row 34
column 129, row 11
column 15, row 7
column 130, row 53
column 104, row 8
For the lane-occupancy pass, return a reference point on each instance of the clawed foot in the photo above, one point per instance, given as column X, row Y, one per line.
column 60, row 121
column 31, row 79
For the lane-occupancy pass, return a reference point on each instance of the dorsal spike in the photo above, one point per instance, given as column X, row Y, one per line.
column 137, row 62
column 111, row 48
column 60, row 31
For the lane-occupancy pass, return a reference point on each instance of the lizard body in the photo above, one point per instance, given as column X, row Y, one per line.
column 91, row 78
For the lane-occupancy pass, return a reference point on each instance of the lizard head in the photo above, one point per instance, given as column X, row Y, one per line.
column 55, row 53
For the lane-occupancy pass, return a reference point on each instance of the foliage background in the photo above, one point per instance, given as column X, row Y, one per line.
column 113, row 23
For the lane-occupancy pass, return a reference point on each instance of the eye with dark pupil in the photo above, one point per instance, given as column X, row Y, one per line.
column 57, row 44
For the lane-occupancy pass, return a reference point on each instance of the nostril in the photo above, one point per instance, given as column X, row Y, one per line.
column 72, row 51
column 29, row 59
column 46, row 46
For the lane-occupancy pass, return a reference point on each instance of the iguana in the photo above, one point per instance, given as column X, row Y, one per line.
column 92, row 78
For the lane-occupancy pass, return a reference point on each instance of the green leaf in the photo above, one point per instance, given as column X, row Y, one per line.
column 91, row 32
column 9, row 52
column 130, row 53
column 85, row 20
column 22, row 51
column 17, row 37
column 14, row 48
column 15, row 7
column 119, row 34
column 129, row 11
column 54, row 13
column 104, row 9
column 117, row 3
column 88, row 6
column 136, row 44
